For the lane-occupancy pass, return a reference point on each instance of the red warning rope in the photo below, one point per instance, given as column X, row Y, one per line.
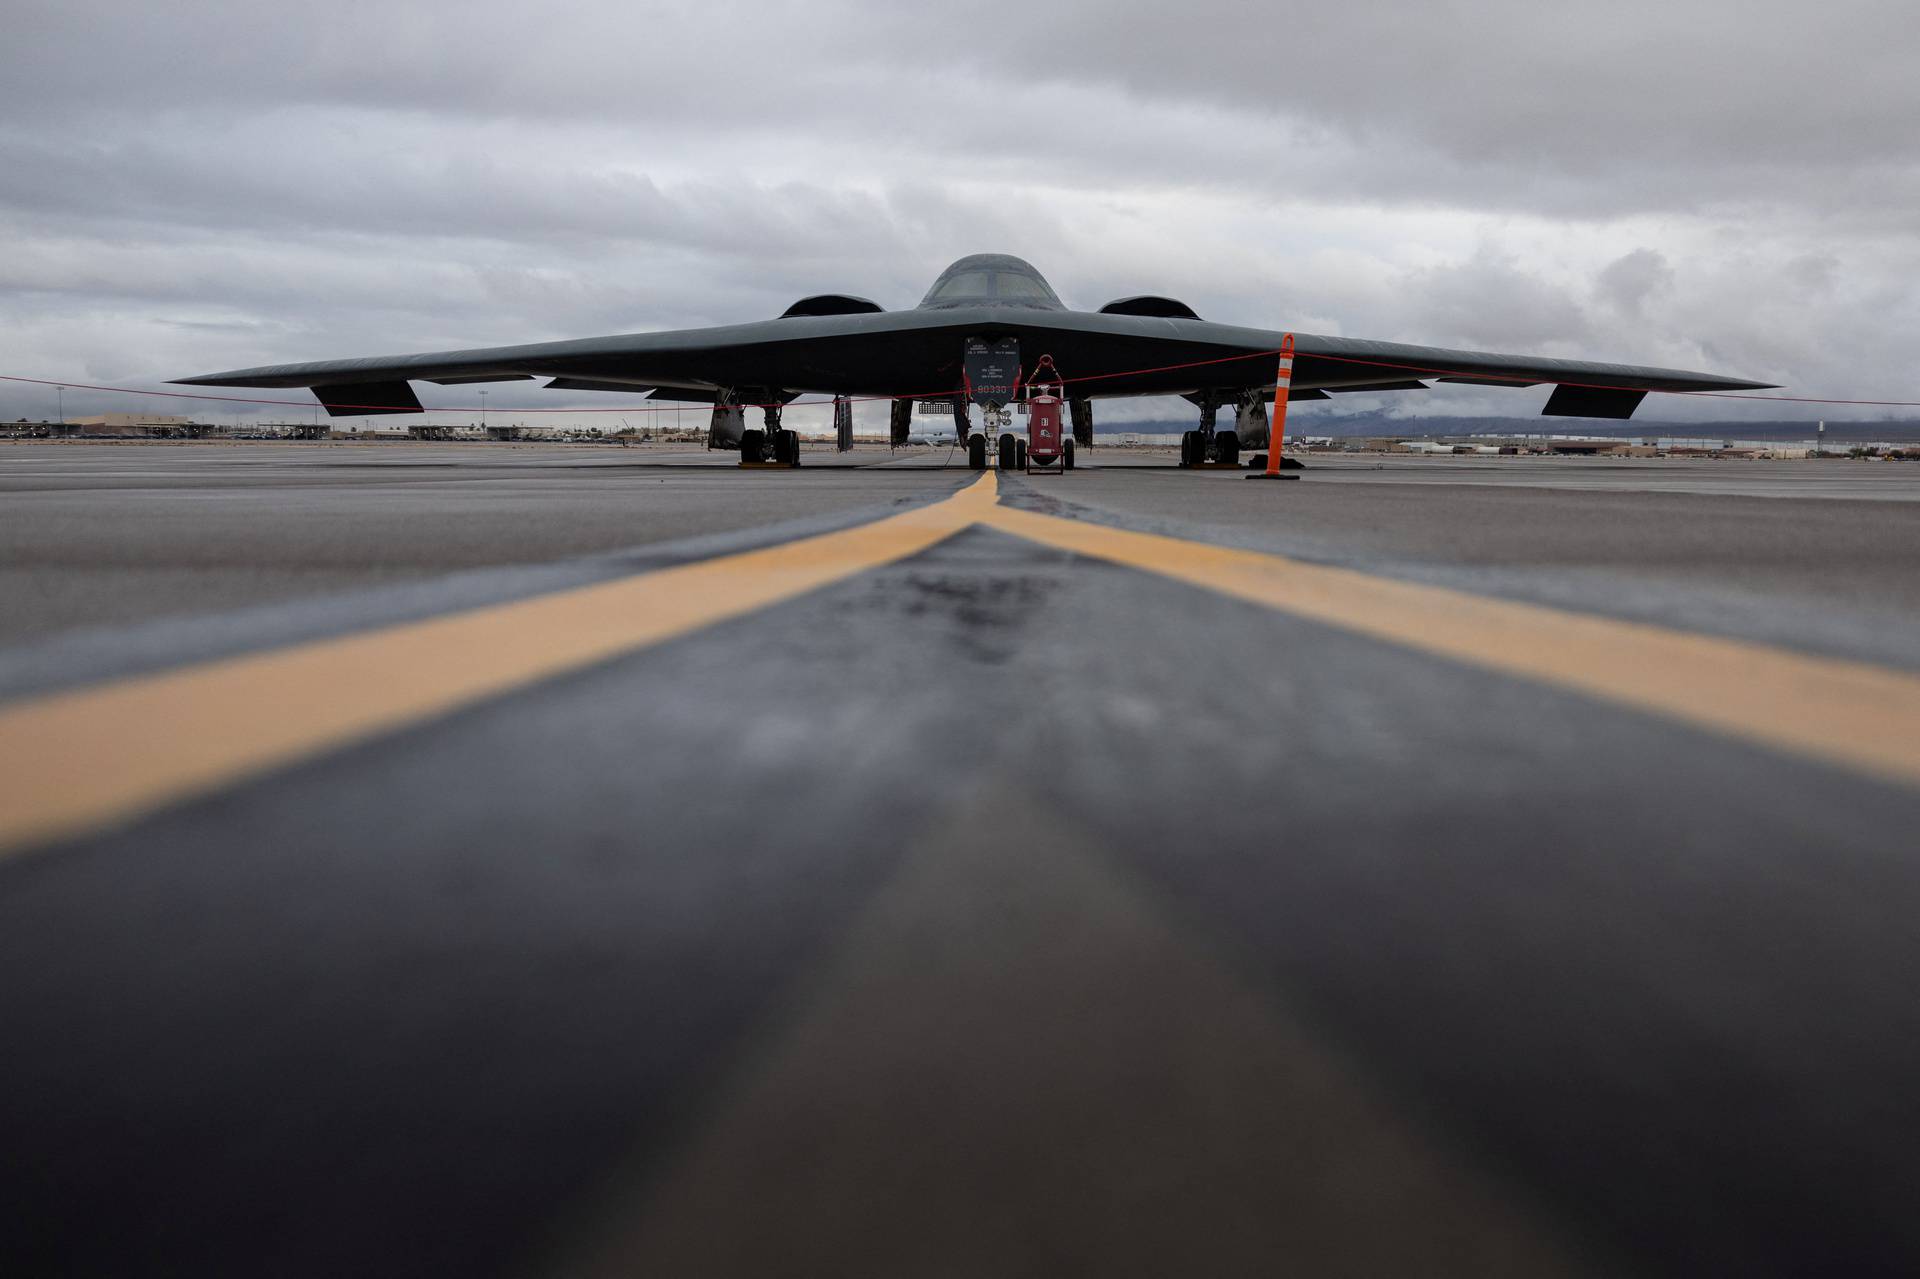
column 1421, row 369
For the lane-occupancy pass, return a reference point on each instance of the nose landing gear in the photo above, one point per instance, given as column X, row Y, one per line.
column 995, row 424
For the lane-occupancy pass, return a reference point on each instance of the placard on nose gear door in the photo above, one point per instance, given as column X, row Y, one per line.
column 992, row 367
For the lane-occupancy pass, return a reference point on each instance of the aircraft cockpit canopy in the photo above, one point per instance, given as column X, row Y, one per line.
column 992, row 279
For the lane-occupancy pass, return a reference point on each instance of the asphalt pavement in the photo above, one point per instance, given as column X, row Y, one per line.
column 461, row 859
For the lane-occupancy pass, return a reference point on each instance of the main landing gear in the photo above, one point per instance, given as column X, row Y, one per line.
column 771, row 446
column 1204, row 446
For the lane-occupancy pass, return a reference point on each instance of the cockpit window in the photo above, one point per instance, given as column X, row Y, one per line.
column 968, row 284
column 1009, row 285
column 983, row 285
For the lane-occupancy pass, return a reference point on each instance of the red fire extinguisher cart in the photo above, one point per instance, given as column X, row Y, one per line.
column 1049, row 446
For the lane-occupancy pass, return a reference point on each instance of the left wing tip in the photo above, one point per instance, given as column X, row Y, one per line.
column 232, row 377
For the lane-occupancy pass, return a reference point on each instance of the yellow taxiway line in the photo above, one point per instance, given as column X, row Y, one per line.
column 91, row 758
column 1848, row 713
column 94, row 757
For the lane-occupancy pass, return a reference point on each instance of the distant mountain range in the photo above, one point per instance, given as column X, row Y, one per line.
column 1348, row 426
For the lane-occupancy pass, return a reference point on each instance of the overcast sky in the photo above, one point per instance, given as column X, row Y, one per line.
column 1732, row 187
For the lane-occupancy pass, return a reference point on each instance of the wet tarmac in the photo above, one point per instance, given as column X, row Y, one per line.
column 459, row 859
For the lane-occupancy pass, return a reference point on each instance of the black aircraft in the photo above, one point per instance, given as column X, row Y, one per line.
column 981, row 328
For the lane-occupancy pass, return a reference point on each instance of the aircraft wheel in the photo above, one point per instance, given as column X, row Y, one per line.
column 1006, row 452
column 786, row 447
column 1066, row 455
column 1019, row 455
column 977, row 452
column 1189, row 447
column 1226, row 447
column 753, row 446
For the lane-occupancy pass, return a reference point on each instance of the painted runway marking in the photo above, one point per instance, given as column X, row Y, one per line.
column 95, row 757
column 1848, row 713
column 91, row 758
column 1016, row 1051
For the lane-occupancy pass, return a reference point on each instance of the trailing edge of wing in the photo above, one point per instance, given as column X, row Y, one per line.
column 591, row 384
column 1266, row 393
column 1362, row 388
column 1591, row 401
column 696, row 395
column 367, row 399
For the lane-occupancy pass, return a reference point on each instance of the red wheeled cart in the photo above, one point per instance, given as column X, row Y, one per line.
column 1049, row 445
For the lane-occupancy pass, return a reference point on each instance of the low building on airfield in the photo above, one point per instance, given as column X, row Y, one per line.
column 136, row 426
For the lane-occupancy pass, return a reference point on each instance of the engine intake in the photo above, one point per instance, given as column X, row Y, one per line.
column 832, row 304
column 1151, row 304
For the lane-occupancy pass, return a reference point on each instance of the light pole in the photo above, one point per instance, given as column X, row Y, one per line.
column 60, row 398
column 483, row 412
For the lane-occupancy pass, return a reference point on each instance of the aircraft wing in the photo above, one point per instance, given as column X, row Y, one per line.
column 919, row 353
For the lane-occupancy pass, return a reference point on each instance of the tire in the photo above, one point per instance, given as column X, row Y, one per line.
column 1019, row 455
column 786, row 447
column 1226, row 447
column 1066, row 455
column 977, row 452
column 1189, row 447
column 753, row 446
column 1006, row 453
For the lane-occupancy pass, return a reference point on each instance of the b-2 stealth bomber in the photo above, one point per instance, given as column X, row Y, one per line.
column 983, row 325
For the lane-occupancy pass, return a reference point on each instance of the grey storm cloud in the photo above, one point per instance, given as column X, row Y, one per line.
column 1630, row 281
column 1726, row 186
